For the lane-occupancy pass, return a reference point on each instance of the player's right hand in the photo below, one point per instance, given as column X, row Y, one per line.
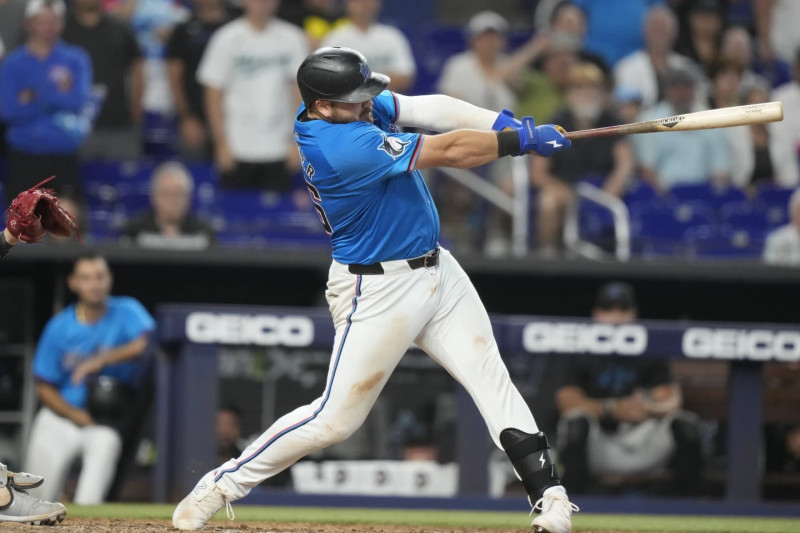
column 550, row 139
column 543, row 140
column 80, row 417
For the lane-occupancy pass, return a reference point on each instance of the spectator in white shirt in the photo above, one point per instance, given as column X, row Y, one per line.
column 644, row 69
column 783, row 244
column 475, row 75
column 386, row 48
column 248, row 70
column 759, row 155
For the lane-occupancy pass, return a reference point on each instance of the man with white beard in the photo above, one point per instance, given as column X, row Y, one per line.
column 607, row 158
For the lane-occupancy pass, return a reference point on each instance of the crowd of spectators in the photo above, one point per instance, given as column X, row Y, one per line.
column 212, row 81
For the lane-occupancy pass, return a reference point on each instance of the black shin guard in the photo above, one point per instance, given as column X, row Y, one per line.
column 530, row 455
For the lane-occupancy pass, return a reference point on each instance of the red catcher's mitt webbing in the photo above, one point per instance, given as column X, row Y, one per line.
column 38, row 211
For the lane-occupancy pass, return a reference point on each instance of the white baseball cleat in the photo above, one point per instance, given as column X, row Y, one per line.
column 16, row 505
column 556, row 512
column 200, row 505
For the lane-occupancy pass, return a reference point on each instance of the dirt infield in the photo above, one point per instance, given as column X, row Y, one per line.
column 85, row 525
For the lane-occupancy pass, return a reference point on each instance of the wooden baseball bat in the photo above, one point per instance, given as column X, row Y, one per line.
column 725, row 117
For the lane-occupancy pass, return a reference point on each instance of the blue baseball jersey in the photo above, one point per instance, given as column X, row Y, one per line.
column 362, row 180
column 66, row 342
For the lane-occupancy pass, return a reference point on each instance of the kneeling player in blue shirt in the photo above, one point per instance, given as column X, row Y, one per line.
column 98, row 338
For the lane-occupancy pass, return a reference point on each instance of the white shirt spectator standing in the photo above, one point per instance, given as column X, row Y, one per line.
column 743, row 142
column 386, row 48
column 473, row 75
column 644, row 68
column 248, row 70
column 783, row 244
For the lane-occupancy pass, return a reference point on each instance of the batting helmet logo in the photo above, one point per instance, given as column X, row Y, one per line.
column 393, row 146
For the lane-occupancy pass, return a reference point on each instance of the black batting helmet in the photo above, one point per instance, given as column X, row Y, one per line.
column 340, row 75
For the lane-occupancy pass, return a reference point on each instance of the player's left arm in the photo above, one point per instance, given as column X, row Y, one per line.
column 439, row 112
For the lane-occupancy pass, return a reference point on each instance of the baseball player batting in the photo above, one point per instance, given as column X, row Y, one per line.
column 390, row 283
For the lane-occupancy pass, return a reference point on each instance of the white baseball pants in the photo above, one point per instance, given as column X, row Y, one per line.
column 377, row 318
column 54, row 445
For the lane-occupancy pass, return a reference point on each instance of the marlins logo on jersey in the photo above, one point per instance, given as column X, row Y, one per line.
column 393, row 146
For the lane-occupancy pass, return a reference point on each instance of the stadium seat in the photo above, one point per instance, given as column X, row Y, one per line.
column 725, row 242
column 708, row 194
column 744, row 216
column 774, row 201
column 659, row 229
column 639, row 192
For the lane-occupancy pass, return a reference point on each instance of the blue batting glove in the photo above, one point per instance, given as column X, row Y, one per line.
column 550, row 139
column 506, row 121
column 528, row 136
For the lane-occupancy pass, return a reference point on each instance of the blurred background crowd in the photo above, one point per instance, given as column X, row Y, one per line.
column 168, row 122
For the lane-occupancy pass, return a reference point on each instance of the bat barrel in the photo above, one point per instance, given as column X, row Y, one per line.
column 702, row 120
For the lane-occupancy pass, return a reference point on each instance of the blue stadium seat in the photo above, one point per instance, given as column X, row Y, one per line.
column 705, row 192
column 774, row 201
column 744, row 216
column 659, row 229
column 725, row 242
column 595, row 221
column 638, row 192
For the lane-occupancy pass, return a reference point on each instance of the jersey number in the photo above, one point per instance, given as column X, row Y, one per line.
column 317, row 200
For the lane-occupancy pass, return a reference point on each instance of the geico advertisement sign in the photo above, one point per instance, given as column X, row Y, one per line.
column 263, row 330
column 752, row 344
column 566, row 337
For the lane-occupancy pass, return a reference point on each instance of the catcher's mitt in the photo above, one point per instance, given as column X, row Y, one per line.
column 36, row 211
